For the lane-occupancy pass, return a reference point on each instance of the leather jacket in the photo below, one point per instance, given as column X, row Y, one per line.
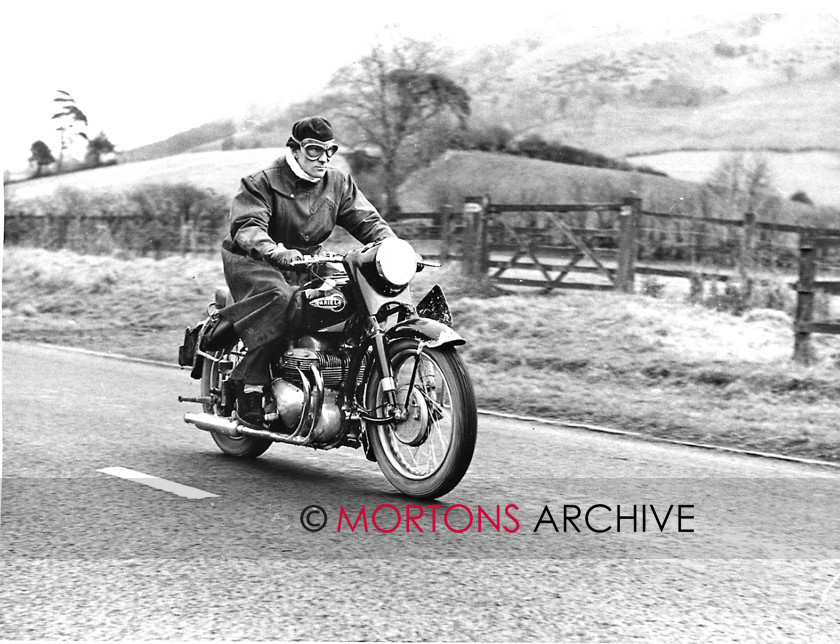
column 274, row 207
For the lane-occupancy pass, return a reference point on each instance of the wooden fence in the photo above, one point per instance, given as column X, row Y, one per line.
column 605, row 246
column 553, row 242
column 145, row 235
column 810, row 243
column 483, row 231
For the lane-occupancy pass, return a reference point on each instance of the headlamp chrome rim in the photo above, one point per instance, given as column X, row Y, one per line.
column 396, row 262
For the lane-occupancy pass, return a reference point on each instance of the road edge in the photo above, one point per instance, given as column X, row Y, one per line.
column 498, row 414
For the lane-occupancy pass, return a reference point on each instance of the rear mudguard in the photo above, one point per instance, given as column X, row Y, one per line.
column 433, row 333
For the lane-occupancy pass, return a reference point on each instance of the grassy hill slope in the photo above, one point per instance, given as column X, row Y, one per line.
column 217, row 171
column 508, row 179
column 455, row 175
column 800, row 115
column 695, row 82
column 706, row 82
column 182, row 142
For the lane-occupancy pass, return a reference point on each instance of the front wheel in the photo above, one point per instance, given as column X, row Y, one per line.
column 211, row 387
column 427, row 454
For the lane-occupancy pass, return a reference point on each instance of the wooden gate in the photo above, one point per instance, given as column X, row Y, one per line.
column 810, row 242
column 491, row 230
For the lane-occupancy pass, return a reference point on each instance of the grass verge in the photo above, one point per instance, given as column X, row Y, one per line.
column 656, row 366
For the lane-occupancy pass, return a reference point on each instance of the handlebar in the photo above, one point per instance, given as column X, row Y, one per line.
column 316, row 260
column 332, row 258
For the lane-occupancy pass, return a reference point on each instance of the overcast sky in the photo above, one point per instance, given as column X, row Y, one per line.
column 142, row 71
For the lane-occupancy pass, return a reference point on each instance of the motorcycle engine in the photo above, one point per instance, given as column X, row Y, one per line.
column 290, row 397
column 331, row 366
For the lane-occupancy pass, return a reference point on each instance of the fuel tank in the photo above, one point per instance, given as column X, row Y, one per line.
column 321, row 304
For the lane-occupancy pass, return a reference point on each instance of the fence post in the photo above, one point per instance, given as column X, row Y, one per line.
column 50, row 232
column 76, row 233
column 628, row 220
column 474, row 251
column 748, row 244
column 483, row 244
column 187, row 236
column 445, row 232
column 802, row 350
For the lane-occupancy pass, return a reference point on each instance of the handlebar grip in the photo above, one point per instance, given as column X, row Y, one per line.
column 300, row 264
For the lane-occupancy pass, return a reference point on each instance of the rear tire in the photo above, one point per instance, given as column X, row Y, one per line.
column 429, row 453
column 239, row 446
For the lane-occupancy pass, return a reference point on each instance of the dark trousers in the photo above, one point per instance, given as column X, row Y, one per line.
column 261, row 296
column 254, row 368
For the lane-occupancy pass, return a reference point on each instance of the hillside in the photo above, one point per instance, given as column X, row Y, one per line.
column 181, row 142
column 508, row 179
column 699, row 84
column 702, row 82
column 453, row 176
column 721, row 82
column 800, row 115
column 217, row 171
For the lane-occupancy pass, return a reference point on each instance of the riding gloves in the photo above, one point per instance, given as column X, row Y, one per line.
column 282, row 258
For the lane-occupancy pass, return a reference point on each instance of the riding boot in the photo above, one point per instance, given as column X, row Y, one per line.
column 249, row 404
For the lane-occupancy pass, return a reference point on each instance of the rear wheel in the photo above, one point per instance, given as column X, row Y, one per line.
column 211, row 387
column 427, row 454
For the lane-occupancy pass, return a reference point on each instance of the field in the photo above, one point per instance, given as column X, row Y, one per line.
column 516, row 180
column 815, row 172
column 656, row 366
column 700, row 82
column 217, row 171
column 765, row 118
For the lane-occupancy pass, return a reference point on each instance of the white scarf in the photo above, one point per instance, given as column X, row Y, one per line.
column 299, row 171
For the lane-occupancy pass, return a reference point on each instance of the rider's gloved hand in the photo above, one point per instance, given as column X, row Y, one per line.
column 282, row 257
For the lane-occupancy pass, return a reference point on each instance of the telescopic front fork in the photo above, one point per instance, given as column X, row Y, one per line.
column 389, row 388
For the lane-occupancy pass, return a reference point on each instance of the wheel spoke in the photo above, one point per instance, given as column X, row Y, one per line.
column 435, row 416
column 439, row 433
column 431, row 386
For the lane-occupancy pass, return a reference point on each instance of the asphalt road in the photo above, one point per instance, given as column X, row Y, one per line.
column 703, row 546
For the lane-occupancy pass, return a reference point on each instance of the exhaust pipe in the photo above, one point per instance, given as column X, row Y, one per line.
column 212, row 423
column 302, row 434
column 228, row 427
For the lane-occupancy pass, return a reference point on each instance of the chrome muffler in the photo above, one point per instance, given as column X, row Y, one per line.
column 230, row 427
column 303, row 434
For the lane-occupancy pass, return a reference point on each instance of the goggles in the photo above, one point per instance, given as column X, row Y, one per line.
column 313, row 148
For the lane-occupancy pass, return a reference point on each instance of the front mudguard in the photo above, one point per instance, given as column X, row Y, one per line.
column 433, row 333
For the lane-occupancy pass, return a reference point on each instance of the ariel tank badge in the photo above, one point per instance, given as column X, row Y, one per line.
column 334, row 303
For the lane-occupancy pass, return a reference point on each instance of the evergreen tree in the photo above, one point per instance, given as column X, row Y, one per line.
column 41, row 157
column 97, row 147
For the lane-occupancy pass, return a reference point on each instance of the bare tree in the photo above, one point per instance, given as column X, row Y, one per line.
column 743, row 182
column 744, row 185
column 392, row 98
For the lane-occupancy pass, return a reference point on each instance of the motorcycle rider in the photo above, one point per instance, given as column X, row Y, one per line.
column 278, row 215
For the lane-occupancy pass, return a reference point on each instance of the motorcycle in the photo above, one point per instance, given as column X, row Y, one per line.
column 365, row 368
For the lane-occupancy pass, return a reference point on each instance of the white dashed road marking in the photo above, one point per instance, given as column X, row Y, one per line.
column 157, row 483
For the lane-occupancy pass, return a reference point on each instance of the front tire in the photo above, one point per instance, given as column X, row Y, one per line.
column 426, row 455
column 211, row 380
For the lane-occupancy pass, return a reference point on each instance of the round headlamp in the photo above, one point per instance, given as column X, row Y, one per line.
column 396, row 261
